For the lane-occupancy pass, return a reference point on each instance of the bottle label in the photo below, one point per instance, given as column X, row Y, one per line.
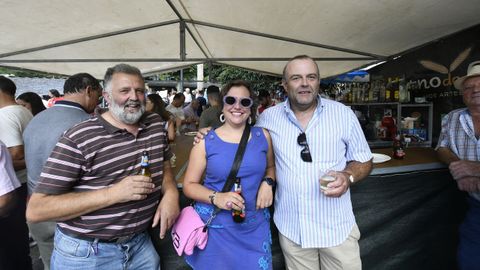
column 238, row 215
column 237, row 188
column 144, row 161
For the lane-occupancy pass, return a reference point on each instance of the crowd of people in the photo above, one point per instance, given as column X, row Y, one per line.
column 71, row 172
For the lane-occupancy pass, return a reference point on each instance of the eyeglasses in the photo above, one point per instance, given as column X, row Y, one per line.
column 245, row 102
column 305, row 153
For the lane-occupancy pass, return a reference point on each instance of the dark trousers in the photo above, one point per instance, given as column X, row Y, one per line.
column 14, row 244
column 469, row 247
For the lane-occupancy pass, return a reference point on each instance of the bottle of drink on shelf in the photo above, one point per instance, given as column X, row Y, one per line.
column 388, row 91
column 382, row 92
column 238, row 215
column 398, row 150
column 145, row 165
column 395, row 90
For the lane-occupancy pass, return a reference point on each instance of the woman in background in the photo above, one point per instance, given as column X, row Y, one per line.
column 32, row 101
column 54, row 97
column 154, row 103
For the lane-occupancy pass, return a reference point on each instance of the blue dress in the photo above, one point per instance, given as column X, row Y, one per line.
column 233, row 245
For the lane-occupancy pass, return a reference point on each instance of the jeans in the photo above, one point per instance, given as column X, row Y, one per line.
column 469, row 246
column 72, row 253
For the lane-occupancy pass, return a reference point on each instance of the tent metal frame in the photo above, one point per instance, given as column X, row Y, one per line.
column 189, row 26
column 185, row 26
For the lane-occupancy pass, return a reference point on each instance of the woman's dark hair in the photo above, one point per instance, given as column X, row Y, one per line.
column 240, row 83
column 54, row 92
column 159, row 106
column 34, row 100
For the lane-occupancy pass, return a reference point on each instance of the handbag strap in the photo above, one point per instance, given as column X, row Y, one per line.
column 234, row 170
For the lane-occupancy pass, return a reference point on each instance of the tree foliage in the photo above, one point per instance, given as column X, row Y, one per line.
column 223, row 74
column 18, row 72
column 216, row 73
column 189, row 74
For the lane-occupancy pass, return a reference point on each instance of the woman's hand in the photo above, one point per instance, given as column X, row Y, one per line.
column 229, row 201
column 264, row 196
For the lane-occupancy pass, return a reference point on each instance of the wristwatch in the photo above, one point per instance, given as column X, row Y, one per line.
column 269, row 181
column 350, row 178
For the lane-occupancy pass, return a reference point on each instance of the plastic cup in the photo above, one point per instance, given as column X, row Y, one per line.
column 325, row 180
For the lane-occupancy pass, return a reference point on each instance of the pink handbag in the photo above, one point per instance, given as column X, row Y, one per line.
column 189, row 232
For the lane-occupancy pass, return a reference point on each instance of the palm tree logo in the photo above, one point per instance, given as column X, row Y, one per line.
column 447, row 71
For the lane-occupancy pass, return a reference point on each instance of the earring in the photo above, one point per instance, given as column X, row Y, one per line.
column 222, row 118
column 250, row 120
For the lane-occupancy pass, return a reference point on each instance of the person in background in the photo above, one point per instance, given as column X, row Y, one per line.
column 54, row 93
column 458, row 147
column 13, row 120
column 265, row 101
column 81, row 93
column 155, row 104
column 233, row 245
column 176, row 109
column 91, row 184
column 210, row 116
column 190, row 113
column 312, row 135
column 202, row 101
column 32, row 101
column 9, row 185
column 188, row 96
column 54, row 96
column 171, row 95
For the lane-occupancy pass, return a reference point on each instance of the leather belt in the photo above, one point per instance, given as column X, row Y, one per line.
column 116, row 240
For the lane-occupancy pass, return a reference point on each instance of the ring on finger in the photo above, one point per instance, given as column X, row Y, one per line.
column 229, row 204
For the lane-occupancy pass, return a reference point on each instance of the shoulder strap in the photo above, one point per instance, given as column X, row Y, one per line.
column 238, row 159
column 234, row 170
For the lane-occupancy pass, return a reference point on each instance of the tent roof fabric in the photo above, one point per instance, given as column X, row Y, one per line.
column 67, row 36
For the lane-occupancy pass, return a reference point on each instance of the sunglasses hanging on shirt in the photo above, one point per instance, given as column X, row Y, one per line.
column 305, row 153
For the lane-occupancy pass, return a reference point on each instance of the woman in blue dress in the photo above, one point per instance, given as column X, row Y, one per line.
column 232, row 245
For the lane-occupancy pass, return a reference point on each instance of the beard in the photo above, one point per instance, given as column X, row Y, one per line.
column 127, row 117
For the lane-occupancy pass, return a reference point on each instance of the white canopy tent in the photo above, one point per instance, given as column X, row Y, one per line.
column 67, row 37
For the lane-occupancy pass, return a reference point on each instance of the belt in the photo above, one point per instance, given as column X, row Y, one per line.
column 116, row 240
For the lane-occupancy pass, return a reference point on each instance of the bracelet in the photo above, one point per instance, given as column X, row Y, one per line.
column 212, row 197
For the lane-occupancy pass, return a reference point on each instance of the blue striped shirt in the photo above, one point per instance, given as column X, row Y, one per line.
column 458, row 135
column 302, row 212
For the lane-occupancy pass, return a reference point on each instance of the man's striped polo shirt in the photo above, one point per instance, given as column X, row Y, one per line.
column 94, row 155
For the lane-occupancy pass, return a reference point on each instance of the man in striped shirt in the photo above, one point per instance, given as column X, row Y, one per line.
column 312, row 136
column 459, row 147
column 90, row 183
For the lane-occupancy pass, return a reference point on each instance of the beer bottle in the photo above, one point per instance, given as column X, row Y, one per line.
column 145, row 165
column 238, row 215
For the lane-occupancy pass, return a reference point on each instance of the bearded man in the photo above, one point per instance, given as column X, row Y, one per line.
column 91, row 187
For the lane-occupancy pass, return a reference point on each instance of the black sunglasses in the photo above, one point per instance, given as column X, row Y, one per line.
column 305, row 153
column 245, row 102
